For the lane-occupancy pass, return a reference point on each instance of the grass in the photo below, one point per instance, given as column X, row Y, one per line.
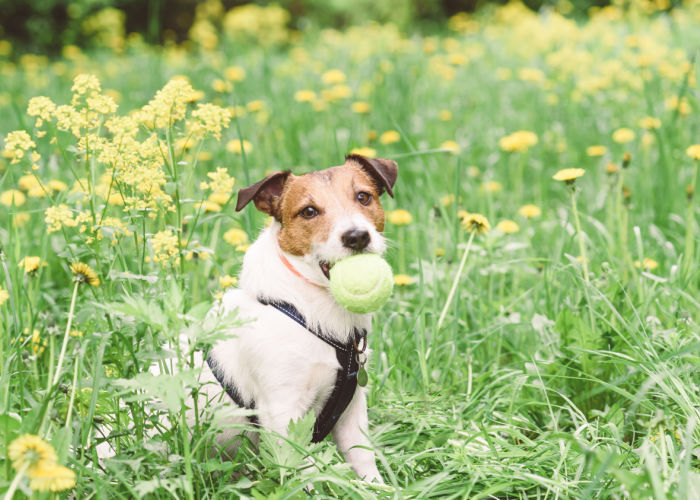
column 544, row 378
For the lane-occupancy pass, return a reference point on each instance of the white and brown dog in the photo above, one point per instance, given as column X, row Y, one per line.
column 300, row 350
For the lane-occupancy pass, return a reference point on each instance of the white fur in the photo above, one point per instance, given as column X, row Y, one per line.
column 280, row 365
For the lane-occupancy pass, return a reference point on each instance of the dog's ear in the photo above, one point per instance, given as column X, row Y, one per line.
column 265, row 194
column 383, row 171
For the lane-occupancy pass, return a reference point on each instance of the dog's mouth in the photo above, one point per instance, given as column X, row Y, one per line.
column 325, row 268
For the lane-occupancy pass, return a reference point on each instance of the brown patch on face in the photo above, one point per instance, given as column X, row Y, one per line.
column 332, row 193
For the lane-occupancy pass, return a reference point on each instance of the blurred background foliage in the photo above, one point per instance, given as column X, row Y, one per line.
column 45, row 26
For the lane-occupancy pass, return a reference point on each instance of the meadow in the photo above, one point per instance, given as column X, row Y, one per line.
column 547, row 169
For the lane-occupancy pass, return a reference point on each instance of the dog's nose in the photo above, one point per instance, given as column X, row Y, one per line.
column 355, row 239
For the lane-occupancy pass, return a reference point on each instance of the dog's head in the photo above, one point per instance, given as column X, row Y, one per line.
column 330, row 214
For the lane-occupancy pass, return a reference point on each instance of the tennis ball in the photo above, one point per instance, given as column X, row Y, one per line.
column 361, row 283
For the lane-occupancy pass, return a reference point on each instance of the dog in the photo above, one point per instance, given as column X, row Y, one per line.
column 299, row 350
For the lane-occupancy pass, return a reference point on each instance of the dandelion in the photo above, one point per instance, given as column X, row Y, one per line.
column 596, row 150
column 364, row 151
column 403, row 280
column 237, row 146
column 476, row 223
column 305, row 96
column 445, row 115
column 4, row 296
column 508, row 226
column 530, row 211
column 76, row 333
column 447, row 200
column 568, row 175
column 519, row 141
column 243, row 248
column 389, row 137
column 235, row 237
column 30, row 453
column 56, row 185
column 234, row 73
column 227, row 281
column 52, row 477
column 84, row 274
column 450, row 146
column 30, row 264
column 492, row 187
column 360, row 107
column 647, row 264
column 333, row 76
column 13, row 197
column 400, row 217
column 623, row 135
column 649, row 123
column 693, row 151
column 221, row 86
column 208, row 206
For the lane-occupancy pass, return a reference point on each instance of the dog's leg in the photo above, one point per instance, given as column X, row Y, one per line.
column 350, row 434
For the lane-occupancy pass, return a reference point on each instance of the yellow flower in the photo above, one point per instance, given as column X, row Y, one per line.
column 13, row 197
column 647, row 264
column 333, row 76
column 235, row 147
column 693, row 151
column 450, row 146
column 447, row 200
column 439, row 252
column 52, row 477
column 568, row 175
column 235, row 237
column 473, row 171
column 210, row 118
column 221, row 183
column 492, row 187
column 403, row 279
column 31, row 453
column 389, row 137
column 530, row 211
column 596, row 150
column 476, row 222
column 365, row 151
column 56, row 185
column 4, row 296
column 519, row 141
column 255, row 106
column 623, row 135
column 30, row 264
column 508, row 227
column 227, row 281
column 221, row 86
column 16, row 144
column 234, row 73
column 76, row 333
column 243, row 248
column 445, row 115
column 84, row 273
column 400, row 217
column 611, row 168
column 208, row 206
column 360, row 107
column 165, row 246
column 649, row 123
column 305, row 96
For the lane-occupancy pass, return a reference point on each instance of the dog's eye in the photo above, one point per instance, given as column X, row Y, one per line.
column 308, row 212
column 364, row 198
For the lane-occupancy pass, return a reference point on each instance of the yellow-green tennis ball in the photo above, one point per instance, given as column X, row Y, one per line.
column 361, row 283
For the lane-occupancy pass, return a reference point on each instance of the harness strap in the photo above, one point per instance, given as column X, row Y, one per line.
column 233, row 392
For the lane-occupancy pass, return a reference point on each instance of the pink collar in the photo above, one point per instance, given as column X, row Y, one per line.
column 295, row 272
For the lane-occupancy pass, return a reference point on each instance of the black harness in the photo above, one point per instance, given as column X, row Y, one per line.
column 351, row 358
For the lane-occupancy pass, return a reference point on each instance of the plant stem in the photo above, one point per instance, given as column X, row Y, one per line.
column 689, row 253
column 15, row 482
column 61, row 357
column 450, row 296
column 582, row 246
